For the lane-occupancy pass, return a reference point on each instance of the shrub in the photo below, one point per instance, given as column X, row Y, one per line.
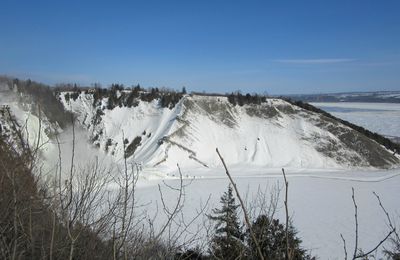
column 30, row 229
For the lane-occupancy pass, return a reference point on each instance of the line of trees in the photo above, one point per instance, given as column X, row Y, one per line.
column 118, row 95
column 386, row 142
column 42, row 96
column 241, row 100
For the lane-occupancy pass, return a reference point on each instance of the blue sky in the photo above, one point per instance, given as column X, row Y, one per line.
column 276, row 47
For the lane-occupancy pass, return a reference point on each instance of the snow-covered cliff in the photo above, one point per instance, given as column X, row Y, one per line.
column 272, row 134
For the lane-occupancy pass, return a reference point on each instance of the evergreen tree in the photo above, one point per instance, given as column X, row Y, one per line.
column 271, row 236
column 67, row 97
column 228, row 240
column 232, row 99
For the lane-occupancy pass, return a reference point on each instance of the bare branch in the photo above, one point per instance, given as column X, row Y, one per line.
column 376, row 247
column 356, row 223
column 287, row 255
column 387, row 216
column 344, row 247
column 393, row 230
column 171, row 214
column 246, row 217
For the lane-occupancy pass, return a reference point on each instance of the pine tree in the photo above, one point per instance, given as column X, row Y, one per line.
column 228, row 240
column 271, row 236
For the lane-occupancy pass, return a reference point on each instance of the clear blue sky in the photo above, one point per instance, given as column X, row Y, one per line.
column 218, row 46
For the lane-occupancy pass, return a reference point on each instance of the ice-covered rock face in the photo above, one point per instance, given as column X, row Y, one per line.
column 272, row 134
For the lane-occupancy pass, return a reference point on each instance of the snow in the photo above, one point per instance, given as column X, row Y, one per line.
column 191, row 131
column 127, row 123
column 383, row 118
column 254, row 149
column 320, row 203
column 33, row 127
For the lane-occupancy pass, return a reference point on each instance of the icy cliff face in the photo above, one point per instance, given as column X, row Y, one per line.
column 272, row 134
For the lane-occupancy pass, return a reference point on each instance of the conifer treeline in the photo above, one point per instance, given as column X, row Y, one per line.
column 118, row 95
column 241, row 100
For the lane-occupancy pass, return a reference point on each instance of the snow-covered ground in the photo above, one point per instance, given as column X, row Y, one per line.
column 383, row 118
column 320, row 202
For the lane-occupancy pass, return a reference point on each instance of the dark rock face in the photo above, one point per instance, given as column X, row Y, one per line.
column 364, row 148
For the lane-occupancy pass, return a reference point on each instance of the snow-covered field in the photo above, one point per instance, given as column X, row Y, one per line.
column 383, row 118
column 320, row 201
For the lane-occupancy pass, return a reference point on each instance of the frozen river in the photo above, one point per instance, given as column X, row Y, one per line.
column 382, row 118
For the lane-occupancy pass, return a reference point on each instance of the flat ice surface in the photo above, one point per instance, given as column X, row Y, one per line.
column 383, row 118
column 320, row 202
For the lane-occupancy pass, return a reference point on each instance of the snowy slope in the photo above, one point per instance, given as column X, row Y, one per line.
column 366, row 114
column 273, row 134
column 15, row 116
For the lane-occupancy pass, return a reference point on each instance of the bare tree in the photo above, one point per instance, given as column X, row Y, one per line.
column 288, row 254
column 78, row 199
column 124, row 213
column 358, row 252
